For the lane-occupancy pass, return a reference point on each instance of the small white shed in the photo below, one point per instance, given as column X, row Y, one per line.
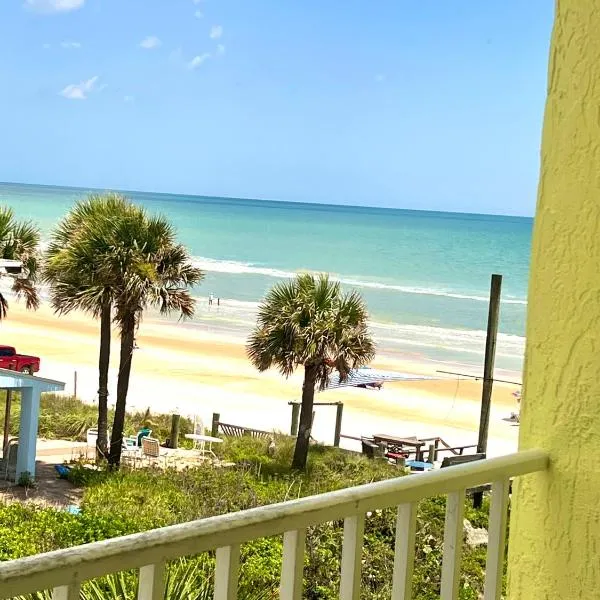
column 30, row 388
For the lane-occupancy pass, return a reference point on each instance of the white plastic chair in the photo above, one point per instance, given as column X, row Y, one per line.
column 130, row 450
column 91, row 439
column 8, row 464
column 198, row 430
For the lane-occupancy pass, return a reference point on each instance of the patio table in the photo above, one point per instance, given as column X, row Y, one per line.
column 203, row 440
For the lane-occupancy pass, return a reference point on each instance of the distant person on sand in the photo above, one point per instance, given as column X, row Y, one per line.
column 210, row 299
column 218, row 301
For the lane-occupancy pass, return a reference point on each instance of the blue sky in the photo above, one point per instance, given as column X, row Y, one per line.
column 431, row 104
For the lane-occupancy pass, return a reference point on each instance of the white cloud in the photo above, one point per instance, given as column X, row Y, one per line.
column 198, row 60
column 70, row 45
column 50, row 6
column 380, row 77
column 198, row 14
column 220, row 49
column 128, row 99
column 80, row 91
column 150, row 42
column 216, row 31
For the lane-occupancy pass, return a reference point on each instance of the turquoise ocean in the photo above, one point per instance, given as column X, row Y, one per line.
column 425, row 275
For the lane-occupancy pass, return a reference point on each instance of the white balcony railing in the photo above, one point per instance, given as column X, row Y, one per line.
column 65, row 570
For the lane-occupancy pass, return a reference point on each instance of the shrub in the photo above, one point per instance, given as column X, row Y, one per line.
column 121, row 503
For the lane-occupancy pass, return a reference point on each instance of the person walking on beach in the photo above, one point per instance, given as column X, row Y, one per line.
column 210, row 299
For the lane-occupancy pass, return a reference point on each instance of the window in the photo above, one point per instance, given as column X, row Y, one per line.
column 7, row 352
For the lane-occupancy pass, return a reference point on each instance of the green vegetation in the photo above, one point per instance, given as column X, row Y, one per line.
column 113, row 260
column 310, row 322
column 75, row 284
column 67, row 418
column 19, row 240
column 122, row 502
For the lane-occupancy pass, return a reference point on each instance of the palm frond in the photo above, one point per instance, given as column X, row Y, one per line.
column 25, row 288
column 3, row 306
column 309, row 320
column 19, row 240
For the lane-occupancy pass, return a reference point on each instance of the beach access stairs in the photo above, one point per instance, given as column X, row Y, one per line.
column 64, row 571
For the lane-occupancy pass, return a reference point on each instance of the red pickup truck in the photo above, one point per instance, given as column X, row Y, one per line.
column 9, row 359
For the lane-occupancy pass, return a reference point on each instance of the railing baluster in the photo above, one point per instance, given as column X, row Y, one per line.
column 453, row 537
column 292, row 567
column 66, row 592
column 354, row 528
column 152, row 582
column 404, row 557
column 226, row 573
column 494, row 567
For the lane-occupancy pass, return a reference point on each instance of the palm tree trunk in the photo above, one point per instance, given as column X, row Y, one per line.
column 127, row 339
column 306, row 410
column 103, row 365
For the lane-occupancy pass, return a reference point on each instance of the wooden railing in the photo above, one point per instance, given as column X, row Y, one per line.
column 65, row 570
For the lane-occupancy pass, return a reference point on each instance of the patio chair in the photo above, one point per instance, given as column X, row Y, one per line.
column 91, row 437
column 130, row 450
column 151, row 451
column 369, row 447
column 8, row 464
column 142, row 433
column 198, row 430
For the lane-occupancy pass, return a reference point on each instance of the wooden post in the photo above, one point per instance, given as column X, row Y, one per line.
column 338, row 424
column 214, row 430
column 75, row 384
column 295, row 418
column 175, row 430
column 488, row 371
column 6, row 421
column 431, row 453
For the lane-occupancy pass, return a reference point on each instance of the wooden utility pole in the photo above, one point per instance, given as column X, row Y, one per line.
column 6, row 421
column 174, row 439
column 488, row 370
column 214, row 430
column 339, row 411
column 295, row 418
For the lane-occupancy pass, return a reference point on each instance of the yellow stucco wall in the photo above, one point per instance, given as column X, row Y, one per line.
column 554, row 549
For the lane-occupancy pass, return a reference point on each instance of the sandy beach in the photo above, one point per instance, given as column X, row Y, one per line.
column 192, row 371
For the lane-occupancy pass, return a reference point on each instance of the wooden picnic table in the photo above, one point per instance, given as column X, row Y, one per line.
column 400, row 442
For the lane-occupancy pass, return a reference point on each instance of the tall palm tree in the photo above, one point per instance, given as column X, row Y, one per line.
column 148, row 268
column 310, row 322
column 117, row 260
column 19, row 240
column 76, row 284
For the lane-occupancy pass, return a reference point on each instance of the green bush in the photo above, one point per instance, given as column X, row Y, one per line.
column 128, row 502
column 121, row 503
column 68, row 418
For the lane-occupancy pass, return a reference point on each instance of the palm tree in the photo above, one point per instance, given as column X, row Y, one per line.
column 19, row 240
column 310, row 322
column 112, row 260
column 76, row 284
column 146, row 267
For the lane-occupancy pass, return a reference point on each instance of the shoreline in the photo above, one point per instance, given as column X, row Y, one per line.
column 193, row 370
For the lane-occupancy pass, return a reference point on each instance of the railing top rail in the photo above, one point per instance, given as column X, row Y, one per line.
column 55, row 568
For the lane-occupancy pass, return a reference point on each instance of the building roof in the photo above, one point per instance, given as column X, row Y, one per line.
column 13, row 380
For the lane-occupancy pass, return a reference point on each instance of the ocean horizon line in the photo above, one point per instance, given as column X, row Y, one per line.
column 300, row 203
